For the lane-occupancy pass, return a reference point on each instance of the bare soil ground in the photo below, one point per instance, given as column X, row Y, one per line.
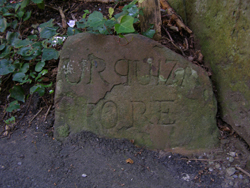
column 30, row 157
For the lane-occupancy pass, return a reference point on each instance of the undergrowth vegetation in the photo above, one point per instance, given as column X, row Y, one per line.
column 23, row 58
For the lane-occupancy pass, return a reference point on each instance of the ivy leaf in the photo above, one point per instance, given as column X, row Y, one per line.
column 81, row 23
column 17, row 93
column 6, row 52
column 95, row 20
column 13, row 106
column 27, row 16
column 10, row 120
column 37, row 88
column 149, row 33
column 25, row 51
column 14, row 24
column 133, row 11
column 6, row 67
column 3, row 24
column 18, row 77
column 126, row 25
column 24, row 3
column 48, row 32
column 12, row 37
column 39, row 66
column 24, row 68
column 32, row 37
column 37, row 1
column 47, row 24
column 8, row 14
column 49, row 53
column 20, row 14
column 22, row 43
column 2, row 46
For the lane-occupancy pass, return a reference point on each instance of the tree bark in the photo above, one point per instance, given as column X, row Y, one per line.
column 151, row 15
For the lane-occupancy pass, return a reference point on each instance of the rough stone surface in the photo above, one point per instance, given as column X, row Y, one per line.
column 133, row 88
column 223, row 31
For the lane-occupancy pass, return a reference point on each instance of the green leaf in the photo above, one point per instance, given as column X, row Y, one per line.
column 111, row 12
column 32, row 37
column 37, row 88
column 18, row 77
column 39, row 66
column 49, row 53
column 17, row 93
column 42, row 73
column 2, row 46
column 17, row 7
column 81, row 23
column 24, row 3
column 3, row 24
column 6, row 52
column 24, row 68
column 119, row 15
column 95, row 20
column 48, row 32
column 47, row 24
column 13, row 106
column 12, row 37
column 14, row 24
column 149, row 33
column 6, row 67
column 8, row 14
column 126, row 25
column 70, row 31
column 20, row 14
column 11, row 120
column 25, row 51
column 85, row 13
column 27, row 16
column 133, row 11
column 37, row 1
column 41, row 5
column 22, row 43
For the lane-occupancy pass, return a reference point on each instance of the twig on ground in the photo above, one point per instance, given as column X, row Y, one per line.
column 35, row 116
column 172, row 41
column 245, row 172
column 165, row 5
column 64, row 22
column 47, row 113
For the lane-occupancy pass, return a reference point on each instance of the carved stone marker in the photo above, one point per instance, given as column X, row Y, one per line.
column 133, row 88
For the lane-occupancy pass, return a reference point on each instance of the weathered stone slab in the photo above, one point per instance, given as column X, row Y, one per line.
column 138, row 90
column 223, row 31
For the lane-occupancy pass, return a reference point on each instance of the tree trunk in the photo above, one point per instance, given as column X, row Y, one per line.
column 151, row 15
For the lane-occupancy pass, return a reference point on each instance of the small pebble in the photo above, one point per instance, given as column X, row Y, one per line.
column 231, row 183
column 217, row 166
column 240, row 176
column 19, row 163
column 233, row 154
column 186, row 177
column 235, row 176
column 230, row 171
column 84, row 175
column 211, row 169
column 231, row 159
column 210, row 162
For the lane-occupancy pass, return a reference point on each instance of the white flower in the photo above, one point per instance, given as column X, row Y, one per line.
column 71, row 23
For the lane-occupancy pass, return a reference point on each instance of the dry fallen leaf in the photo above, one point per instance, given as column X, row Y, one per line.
column 130, row 161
